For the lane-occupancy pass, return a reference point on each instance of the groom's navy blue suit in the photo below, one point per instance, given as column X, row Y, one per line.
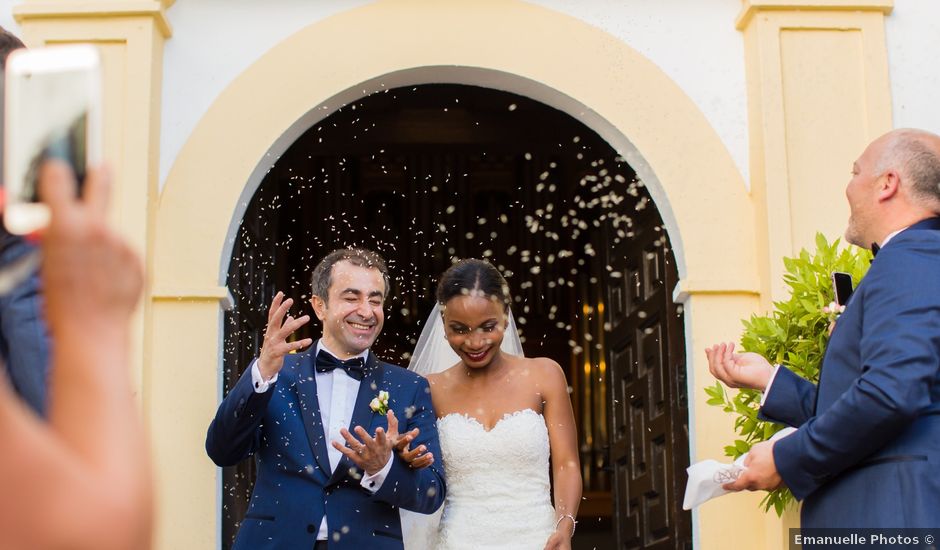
column 295, row 486
column 867, row 451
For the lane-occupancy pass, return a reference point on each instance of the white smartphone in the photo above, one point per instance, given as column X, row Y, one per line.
column 52, row 109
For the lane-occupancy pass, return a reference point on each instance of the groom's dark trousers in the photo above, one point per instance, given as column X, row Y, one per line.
column 295, row 486
column 867, row 451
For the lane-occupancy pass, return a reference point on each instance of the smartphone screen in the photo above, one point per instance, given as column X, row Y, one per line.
column 842, row 287
column 51, row 110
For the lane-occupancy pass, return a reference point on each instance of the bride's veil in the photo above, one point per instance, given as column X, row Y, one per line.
column 432, row 355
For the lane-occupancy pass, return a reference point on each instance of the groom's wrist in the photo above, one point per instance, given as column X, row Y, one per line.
column 373, row 482
column 378, row 470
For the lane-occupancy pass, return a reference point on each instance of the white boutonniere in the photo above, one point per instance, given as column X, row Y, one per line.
column 379, row 404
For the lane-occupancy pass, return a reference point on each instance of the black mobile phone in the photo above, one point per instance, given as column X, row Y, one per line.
column 842, row 287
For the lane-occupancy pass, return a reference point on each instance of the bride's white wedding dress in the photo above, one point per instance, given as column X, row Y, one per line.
column 498, row 488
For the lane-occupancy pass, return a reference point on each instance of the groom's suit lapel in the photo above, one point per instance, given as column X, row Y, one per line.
column 362, row 415
column 310, row 411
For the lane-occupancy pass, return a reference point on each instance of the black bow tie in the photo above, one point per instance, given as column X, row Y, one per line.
column 353, row 367
column 874, row 249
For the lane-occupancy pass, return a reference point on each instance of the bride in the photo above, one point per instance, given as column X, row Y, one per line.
column 501, row 417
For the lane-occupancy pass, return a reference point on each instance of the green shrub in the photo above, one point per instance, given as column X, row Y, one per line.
column 794, row 334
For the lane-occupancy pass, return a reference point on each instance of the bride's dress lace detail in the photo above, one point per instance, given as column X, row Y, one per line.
column 498, row 488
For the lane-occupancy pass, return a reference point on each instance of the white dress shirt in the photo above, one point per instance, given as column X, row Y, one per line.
column 337, row 392
column 777, row 367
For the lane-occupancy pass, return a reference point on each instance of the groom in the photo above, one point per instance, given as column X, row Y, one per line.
column 319, row 483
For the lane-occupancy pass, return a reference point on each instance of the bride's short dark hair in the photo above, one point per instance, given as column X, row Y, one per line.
column 471, row 276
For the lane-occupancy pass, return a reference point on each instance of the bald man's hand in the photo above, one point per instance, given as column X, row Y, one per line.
column 738, row 370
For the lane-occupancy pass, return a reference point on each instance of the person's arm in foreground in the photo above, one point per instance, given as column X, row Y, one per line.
column 83, row 480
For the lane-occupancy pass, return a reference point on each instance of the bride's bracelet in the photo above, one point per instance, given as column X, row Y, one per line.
column 574, row 523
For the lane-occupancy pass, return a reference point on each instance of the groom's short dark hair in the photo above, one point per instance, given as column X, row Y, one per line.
column 322, row 276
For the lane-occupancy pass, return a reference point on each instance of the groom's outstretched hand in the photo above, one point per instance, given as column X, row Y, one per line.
column 275, row 345
column 372, row 453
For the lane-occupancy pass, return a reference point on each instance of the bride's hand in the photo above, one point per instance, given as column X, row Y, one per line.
column 413, row 457
column 560, row 540
column 416, row 458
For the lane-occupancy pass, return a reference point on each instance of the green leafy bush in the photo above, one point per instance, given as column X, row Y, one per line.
column 794, row 334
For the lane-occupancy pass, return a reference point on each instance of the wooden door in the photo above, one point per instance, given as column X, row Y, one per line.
column 649, row 449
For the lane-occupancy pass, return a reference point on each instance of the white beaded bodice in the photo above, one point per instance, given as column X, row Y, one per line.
column 498, row 488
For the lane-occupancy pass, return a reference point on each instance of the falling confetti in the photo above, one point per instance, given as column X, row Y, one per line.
column 551, row 211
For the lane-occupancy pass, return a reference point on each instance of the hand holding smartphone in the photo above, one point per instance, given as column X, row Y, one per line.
column 842, row 287
column 52, row 109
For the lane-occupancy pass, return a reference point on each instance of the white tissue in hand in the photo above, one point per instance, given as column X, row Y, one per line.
column 707, row 477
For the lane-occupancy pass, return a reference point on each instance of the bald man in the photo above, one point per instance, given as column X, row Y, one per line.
column 867, row 449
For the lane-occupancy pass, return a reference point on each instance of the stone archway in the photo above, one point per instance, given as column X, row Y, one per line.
column 563, row 63
column 432, row 173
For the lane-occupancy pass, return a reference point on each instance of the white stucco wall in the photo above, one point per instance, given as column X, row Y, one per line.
column 913, row 36
column 700, row 50
column 6, row 16
column 215, row 40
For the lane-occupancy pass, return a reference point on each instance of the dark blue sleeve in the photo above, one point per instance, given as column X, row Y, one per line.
column 24, row 337
column 899, row 352
column 234, row 433
column 421, row 490
column 790, row 399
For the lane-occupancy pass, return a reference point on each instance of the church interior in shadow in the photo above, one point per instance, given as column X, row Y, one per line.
column 432, row 173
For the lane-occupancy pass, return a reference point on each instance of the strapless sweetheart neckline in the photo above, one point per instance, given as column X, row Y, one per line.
column 498, row 487
column 506, row 416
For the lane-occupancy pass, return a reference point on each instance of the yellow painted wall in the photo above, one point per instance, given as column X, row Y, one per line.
column 563, row 60
column 130, row 37
column 733, row 521
column 818, row 93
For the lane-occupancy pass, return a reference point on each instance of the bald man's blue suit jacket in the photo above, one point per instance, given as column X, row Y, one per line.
column 867, row 451
column 295, row 486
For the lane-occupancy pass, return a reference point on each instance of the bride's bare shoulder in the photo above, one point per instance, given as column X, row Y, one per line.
column 538, row 365
column 445, row 377
column 542, row 370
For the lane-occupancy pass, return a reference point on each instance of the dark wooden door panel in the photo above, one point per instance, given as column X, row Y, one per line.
column 649, row 420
